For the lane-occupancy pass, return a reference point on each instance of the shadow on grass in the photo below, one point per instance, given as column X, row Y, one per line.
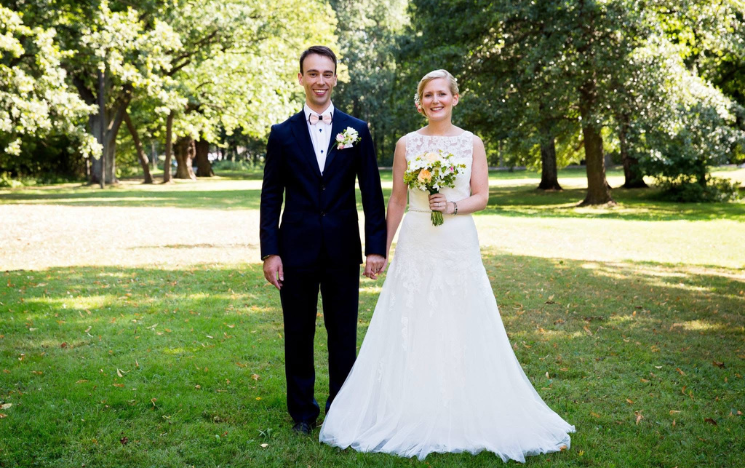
column 187, row 364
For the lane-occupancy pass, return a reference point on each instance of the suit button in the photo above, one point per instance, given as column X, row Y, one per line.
column 323, row 187
column 323, row 213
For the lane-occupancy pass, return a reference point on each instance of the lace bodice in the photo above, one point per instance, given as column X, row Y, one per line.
column 462, row 148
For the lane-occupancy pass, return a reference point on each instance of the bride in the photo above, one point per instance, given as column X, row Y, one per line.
column 436, row 372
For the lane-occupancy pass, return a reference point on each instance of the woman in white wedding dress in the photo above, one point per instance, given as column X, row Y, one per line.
column 436, row 372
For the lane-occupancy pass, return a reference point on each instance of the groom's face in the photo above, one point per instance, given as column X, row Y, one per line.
column 318, row 78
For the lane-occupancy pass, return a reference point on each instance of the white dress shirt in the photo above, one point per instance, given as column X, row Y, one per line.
column 320, row 134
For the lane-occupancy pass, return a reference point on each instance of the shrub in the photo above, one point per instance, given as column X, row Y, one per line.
column 226, row 165
column 685, row 190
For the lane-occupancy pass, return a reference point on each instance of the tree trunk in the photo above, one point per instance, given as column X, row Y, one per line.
column 598, row 189
column 95, row 168
column 153, row 155
column 204, row 168
column 169, row 149
column 633, row 176
column 138, row 146
column 549, row 176
column 184, row 152
column 115, row 117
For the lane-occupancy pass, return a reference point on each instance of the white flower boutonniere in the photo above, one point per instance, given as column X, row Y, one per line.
column 347, row 138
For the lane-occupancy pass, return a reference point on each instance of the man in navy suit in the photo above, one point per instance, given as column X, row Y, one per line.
column 317, row 245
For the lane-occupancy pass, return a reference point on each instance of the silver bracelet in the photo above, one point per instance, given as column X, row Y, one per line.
column 455, row 212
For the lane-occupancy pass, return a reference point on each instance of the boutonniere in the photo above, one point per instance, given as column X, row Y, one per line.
column 347, row 138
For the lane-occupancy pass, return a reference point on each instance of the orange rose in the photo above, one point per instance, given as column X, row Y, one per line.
column 424, row 176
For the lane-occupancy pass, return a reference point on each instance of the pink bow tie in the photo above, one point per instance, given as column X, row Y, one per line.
column 314, row 118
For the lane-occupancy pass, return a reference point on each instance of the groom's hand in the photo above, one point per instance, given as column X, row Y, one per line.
column 273, row 271
column 374, row 266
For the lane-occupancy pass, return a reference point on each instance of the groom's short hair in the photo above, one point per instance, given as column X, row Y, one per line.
column 318, row 50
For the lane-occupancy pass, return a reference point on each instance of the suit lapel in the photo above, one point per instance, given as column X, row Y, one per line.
column 300, row 130
column 340, row 119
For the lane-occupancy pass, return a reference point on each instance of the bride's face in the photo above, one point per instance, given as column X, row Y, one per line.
column 437, row 100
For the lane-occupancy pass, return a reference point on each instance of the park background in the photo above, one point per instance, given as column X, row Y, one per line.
column 136, row 328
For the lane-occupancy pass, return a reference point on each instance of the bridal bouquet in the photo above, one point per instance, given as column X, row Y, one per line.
column 430, row 172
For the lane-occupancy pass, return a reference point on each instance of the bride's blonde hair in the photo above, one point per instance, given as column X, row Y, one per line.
column 433, row 75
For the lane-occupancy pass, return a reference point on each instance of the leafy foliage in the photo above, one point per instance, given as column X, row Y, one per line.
column 35, row 98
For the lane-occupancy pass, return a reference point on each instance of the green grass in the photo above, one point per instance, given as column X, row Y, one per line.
column 614, row 313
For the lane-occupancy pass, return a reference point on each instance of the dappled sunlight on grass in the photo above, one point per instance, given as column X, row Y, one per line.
column 699, row 325
column 73, row 303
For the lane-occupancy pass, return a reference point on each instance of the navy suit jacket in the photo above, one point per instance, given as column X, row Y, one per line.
column 320, row 210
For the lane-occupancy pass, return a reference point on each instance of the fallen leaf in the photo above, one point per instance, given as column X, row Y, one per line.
column 680, row 371
column 629, row 401
column 587, row 330
column 119, row 372
column 718, row 364
column 81, row 381
column 6, row 405
column 3, row 415
column 644, row 380
column 710, row 421
column 239, row 364
column 120, row 385
column 197, row 387
column 255, row 376
column 88, row 329
column 208, row 336
column 231, row 326
column 563, row 447
column 264, row 445
column 63, row 345
column 639, row 416
column 37, row 372
column 594, row 415
column 673, row 412
column 124, row 441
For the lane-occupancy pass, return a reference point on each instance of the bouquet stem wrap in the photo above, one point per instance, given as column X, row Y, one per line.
column 436, row 215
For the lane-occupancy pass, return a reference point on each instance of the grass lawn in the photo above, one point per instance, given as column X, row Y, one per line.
column 136, row 328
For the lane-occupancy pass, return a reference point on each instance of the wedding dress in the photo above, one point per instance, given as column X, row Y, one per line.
column 436, row 372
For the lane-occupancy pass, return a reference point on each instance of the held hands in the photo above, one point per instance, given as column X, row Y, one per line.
column 273, row 271
column 438, row 202
column 375, row 265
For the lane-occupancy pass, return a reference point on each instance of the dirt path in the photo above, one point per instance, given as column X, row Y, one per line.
column 34, row 237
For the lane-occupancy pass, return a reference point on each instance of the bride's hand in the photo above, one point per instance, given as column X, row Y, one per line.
column 438, row 202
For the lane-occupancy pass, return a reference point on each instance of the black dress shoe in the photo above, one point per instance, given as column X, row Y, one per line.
column 303, row 427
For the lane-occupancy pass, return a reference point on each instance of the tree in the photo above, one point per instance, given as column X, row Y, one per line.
column 544, row 62
column 367, row 32
column 35, row 99
column 237, row 65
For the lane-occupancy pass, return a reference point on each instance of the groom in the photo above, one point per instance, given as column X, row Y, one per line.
column 317, row 245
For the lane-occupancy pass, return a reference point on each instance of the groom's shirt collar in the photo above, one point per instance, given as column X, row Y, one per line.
column 307, row 110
